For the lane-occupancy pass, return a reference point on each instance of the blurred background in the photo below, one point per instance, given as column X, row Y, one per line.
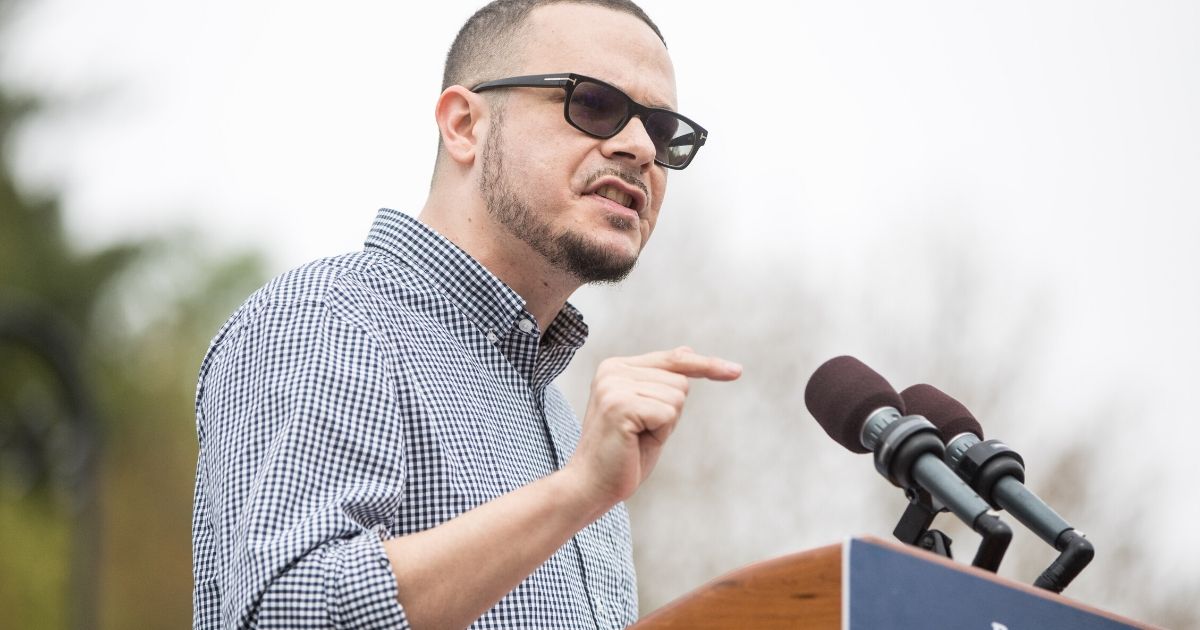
column 1000, row 199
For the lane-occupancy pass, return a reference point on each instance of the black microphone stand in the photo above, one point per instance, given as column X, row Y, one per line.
column 913, row 528
column 897, row 450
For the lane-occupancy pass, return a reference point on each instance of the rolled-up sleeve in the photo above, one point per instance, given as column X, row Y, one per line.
column 301, row 472
column 345, row 583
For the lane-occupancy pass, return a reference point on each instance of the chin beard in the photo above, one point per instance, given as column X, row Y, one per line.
column 586, row 261
column 569, row 251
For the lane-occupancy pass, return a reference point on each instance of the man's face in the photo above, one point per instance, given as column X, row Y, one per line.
column 546, row 181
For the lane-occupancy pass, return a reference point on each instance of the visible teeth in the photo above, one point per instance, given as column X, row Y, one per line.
column 623, row 198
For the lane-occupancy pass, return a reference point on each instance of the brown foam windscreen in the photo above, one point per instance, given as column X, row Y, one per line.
column 842, row 393
column 949, row 416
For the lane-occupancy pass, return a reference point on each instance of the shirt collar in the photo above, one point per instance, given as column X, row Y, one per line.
column 492, row 304
column 568, row 329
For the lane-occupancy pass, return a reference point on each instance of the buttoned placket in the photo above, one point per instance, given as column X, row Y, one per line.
column 590, row 547
column 525, row 353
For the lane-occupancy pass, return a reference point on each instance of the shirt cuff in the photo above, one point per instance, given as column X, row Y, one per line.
column 363, row 592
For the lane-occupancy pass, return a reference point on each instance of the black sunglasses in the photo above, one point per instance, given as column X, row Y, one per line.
column 602, row 111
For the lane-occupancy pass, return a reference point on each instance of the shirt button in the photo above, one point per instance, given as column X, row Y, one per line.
column 525, row 325
column 491, row 337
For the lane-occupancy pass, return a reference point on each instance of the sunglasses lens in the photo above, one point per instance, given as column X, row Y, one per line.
column 602, row 111
column 674, row 139
column 598, row 109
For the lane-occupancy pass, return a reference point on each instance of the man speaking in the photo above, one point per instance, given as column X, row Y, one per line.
column 381, row 444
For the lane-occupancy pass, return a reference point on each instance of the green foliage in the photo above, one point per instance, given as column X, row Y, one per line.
column 139, row 315
column 35, row 258
column 33, row 565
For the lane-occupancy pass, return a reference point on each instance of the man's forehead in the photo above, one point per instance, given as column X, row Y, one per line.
column 612, row 46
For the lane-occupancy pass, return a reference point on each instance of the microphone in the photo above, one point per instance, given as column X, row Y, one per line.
column 997, row 473
column 860, row 410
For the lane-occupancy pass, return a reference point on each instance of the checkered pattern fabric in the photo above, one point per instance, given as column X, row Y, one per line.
column 374, row 395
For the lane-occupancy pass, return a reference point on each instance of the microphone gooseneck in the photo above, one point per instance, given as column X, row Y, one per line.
column 997, row 473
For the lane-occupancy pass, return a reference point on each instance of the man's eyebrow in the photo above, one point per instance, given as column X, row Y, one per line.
column 656, row 104
column 652, row 102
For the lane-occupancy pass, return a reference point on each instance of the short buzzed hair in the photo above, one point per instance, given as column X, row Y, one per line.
column 487, row 44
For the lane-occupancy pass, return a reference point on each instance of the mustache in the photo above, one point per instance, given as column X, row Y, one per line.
column 625, row 176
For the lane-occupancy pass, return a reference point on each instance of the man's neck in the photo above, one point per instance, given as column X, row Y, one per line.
column 544, row 288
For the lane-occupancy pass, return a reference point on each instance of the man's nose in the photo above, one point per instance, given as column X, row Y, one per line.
column 632, row 143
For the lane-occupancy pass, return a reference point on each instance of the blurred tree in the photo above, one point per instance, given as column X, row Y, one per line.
column 139, row 315
column 41, row 281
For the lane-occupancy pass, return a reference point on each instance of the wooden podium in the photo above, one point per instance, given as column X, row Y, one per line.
column 870, row 584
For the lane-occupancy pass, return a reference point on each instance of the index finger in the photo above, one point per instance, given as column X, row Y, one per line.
column 685, row 361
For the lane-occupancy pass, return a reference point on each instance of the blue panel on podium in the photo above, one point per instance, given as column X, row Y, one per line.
column 895, row 590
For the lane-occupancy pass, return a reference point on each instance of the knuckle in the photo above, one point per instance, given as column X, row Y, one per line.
column 659, row 418
column 607, row 370
column 607, row 397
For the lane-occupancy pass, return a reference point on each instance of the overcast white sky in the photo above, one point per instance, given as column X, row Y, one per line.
column 1058, row 139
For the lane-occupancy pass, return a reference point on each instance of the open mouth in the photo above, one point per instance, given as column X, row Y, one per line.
column 626, row 194
column 617, row 195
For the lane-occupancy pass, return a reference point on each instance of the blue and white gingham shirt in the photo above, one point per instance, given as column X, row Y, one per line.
column 378, row 394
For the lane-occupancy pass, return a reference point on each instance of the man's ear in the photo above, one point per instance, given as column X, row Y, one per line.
column 458, row 113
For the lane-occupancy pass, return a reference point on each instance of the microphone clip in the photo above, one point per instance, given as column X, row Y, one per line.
column 913, row 528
